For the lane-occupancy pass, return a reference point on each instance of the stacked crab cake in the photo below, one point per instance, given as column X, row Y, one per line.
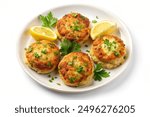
column 76, row 69
column 42, row 56
column 74, row 27
column 108, row 50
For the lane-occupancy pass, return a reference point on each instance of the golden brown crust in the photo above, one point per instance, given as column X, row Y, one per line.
column 108, row 49
column 76, row 69
column 74, row 26
column 42, row 56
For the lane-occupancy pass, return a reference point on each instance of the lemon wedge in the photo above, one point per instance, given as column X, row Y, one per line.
column 42, row 33
column 102, row 28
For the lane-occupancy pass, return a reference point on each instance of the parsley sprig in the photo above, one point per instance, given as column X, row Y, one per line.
column 48, row 21
column 67, row 46
column 100, row 73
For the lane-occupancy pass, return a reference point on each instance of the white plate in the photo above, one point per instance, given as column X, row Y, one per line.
column 91, row 13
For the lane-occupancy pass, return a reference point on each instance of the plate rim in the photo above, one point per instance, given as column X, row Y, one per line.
column 85, row 89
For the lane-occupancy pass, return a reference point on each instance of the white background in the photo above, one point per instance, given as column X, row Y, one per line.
column 17, row 88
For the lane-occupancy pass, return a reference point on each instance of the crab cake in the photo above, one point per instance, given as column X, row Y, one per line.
column 109, row 50
column 76, row 69
column 42, row 56
column 74, row 26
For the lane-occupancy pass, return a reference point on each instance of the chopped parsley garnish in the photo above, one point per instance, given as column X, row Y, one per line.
column 58, row 84
column 49, row 74
column 44, row 51
column 49, row 63
column 30, row 49
column 72, row 80
column 50, row 81
column 36, row 55
column 106, row 41
column 114, row 42
column 80, row 69
column 94, row 21
column 76, row 26
column 70, row 63
column 87, row 51
column 67, row 46
column 52, row 78
column 74, row 14
column 116, row 53
column 100, row 73
column 110, row 45
column 48, row 21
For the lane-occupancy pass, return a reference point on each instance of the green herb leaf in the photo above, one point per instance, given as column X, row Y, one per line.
column 87, row 51
column 97, row 17
column 94, row 21
column 76, row 47
column 72, row 80
column 110, row 45
column 69, row 46
column 116, row 53
column 48, row 21
column 76, row 26
column 49, row 74
column 52, row 78
column 80, row 69
column 70, row 63
column 58, row 84
column 30, row 49
column 74, row 14
column 49, row 63
column 100, row 73
column 65, row 47
column 106, row 41
column 36, row 55
column 44, row 51
column 50, row 81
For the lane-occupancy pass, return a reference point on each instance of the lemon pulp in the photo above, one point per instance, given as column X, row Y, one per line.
column 102, row 28
column 42, row 33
